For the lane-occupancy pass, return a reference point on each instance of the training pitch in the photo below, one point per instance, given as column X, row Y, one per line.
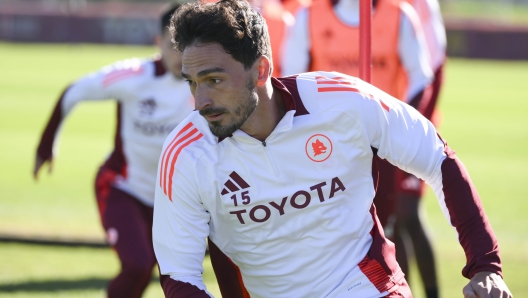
column 484, row 106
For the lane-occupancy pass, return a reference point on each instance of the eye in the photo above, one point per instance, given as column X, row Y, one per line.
column 189, row 82
column 215, row 81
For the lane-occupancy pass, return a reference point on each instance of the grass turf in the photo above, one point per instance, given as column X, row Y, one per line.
column 48, row 271
column 483, row 104
column 503, row 12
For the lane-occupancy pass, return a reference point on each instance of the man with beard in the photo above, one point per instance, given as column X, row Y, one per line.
column 277, row 172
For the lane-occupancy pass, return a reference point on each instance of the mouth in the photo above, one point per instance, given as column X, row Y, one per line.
column 214, row 117
column 213, row 114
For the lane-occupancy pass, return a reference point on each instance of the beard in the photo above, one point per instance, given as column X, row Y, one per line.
column 240, row 114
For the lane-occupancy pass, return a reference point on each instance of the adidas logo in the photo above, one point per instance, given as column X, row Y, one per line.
column 234, row 184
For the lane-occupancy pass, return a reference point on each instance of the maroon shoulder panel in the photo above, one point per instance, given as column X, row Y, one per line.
column 159, row 68
column 290, row 94
column 45, row 147
column 468, row 217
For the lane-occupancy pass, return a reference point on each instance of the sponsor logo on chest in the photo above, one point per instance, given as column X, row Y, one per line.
column 263, row 212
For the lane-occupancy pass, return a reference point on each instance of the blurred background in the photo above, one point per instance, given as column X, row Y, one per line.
column 51, row 242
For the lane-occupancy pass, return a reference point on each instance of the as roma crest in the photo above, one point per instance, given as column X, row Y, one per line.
column 318, row 148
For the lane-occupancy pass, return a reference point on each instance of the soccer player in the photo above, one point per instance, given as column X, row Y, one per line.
column 152, row 99
column 277, row 172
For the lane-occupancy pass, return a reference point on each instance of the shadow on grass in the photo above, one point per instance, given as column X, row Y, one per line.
column 59, row 285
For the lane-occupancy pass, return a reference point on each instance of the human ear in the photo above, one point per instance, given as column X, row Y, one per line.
column 264, row 70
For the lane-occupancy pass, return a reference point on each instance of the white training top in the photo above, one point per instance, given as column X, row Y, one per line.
column 411, row 46
column 152, row 102
column 293, row 212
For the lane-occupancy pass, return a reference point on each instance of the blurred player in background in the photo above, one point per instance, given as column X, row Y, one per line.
column 410, row 235
column 326, row 37
column 293, row 6
column 435, row 36
column 278, row 19
column 152, row 99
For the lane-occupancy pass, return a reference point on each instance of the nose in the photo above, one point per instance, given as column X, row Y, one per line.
column 202, row 97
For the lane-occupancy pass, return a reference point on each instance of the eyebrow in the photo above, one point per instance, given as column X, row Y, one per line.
column 205, row 72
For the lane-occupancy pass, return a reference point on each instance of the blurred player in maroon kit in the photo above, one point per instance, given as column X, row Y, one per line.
column 152, row 99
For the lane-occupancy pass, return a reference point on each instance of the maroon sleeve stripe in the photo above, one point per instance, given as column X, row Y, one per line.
column 178, row 289
column 468, row 217
column 45, row 147
column 159, row 68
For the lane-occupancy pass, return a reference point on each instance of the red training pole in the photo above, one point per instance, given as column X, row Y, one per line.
column 365, row 40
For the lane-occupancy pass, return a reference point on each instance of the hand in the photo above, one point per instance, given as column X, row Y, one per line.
column 486, row 285
column 39, row 162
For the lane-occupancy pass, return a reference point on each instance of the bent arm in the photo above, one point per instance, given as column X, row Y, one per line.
column 45, row 147
column 179, row 231
column 408, row 140
column 100, row 85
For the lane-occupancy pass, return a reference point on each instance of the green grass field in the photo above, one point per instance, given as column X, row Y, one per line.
column 483, row 104
column 504, row 12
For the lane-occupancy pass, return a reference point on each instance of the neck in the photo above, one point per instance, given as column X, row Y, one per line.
column 269, row 112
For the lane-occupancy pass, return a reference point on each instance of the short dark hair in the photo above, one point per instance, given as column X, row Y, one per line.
column 165, row 19
column 239, row 29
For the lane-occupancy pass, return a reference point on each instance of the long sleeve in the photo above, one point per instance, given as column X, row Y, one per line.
column 406, row 139
column 181, row 223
